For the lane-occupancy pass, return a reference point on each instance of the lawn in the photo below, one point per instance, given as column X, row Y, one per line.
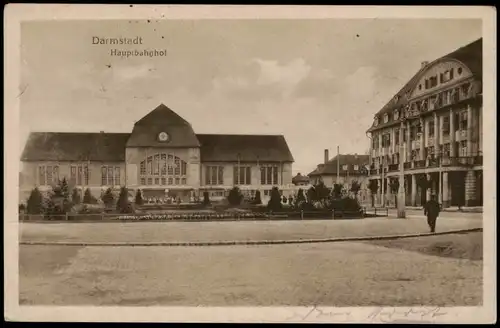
column 461, row 246
column 327, row 274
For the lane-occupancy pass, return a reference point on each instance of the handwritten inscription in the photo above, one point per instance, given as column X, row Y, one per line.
column 380, row 314
column 384, row 314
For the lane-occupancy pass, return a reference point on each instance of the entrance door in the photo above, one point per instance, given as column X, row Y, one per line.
column 457, row 182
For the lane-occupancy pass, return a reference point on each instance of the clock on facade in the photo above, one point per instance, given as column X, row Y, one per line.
column 163, row 136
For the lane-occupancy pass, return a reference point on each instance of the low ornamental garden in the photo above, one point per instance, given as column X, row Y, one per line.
column 319, row 202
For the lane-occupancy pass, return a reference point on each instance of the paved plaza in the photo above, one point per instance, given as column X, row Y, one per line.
column 158, row 232
column 400, row 272
column 328, row 274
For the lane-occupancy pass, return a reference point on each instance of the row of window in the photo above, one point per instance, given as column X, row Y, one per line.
column 79, row 175
column 429, row 152
column 163, row 181
column 242, row 175
column 460, row 124
column 163, row 164
column 432, row 102
column 444, row 77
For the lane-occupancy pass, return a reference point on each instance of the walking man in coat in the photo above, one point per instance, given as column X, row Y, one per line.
column 431, row 210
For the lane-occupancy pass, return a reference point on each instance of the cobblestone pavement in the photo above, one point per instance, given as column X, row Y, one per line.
column 243, row 230
column 331, row 274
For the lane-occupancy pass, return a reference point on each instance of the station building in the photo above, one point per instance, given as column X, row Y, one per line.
column 161, row 156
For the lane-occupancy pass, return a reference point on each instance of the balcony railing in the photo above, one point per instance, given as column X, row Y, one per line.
column 458, row 161
column 433, row 162
column 419, row 164
column 407, row 165
column 373, row 172
column 478, row 160
column 393, row 167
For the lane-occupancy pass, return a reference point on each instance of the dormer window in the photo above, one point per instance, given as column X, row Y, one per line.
column 386, row 118
column 356, row 167
column 396, row 115
column 344, row 167
column 376, row 121
column 396, row 98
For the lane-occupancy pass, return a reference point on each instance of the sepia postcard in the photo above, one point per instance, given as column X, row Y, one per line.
column 250, row 164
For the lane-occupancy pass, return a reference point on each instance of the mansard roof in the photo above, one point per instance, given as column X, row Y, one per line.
column 110, row 147
column 470, row 55
column 68, row 146
column 245, row 148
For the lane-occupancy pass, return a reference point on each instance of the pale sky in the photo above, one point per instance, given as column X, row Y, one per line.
column 317, row 82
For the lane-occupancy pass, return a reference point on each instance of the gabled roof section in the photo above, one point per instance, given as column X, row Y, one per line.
column 471, row 55
column 245, row 148
column 162, row 115
column 162, row 119
column 330, row 168
column 65, row 146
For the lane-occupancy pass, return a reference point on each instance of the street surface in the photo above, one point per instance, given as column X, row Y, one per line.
column 328, row 274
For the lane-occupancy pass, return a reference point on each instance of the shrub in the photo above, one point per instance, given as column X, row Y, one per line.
column 108, row 197
column 22, row 208
column 274, row 203
column 75, row 196
column 347, row 204
column 337, row 191
column 355, row 187
column 138, row 197
column 88, row 198
column 123, row 205
column 257, row 200
column 53, row 210
column 235, row 197
column 206, row 198
column 35, row 202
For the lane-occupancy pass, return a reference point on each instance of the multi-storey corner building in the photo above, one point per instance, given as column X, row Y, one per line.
column 440, row 113
column 162, row 155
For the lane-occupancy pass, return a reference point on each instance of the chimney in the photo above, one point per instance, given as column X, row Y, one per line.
column 424, row 63
column 326, row 156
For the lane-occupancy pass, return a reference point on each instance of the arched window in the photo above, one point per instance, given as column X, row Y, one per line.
column 163, row 169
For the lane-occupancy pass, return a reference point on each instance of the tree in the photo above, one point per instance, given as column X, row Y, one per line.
column 300, row 196
column 123, row 205
column 34, row 204
column 62, row 189
column 235, row 197
column 274, row 203
column 75, row 196
column 88, row 198
column 311, row 195
column 257, row 200
column 373, row 187
column 108, row 197
column 138, row 197
column 337, row 191
column 206, row 198
column 394, row 187
column 355, row 188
